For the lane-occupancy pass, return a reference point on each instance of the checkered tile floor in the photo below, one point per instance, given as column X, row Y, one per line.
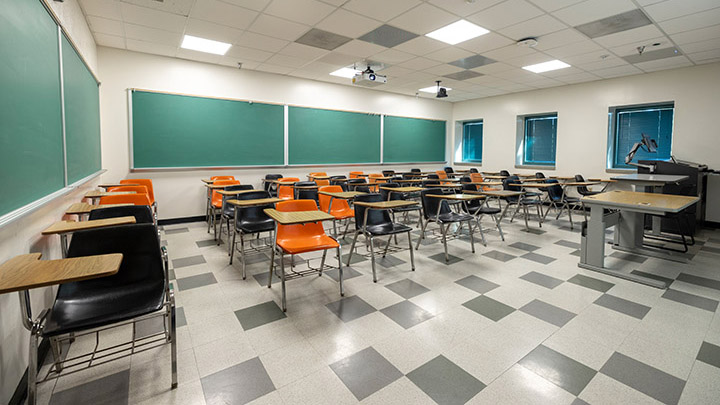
column 516, row 322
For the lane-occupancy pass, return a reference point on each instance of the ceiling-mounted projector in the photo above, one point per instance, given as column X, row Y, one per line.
column 369, row 78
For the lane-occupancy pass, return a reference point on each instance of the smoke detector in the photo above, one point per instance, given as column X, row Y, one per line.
column 529, row 42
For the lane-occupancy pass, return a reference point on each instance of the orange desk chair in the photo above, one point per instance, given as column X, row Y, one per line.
column 319, row 182
column 355, row 175
column 373, row 181
column 143, row 182
column 478, row 178
column 216, row 201
column 222, row 178
column 286, row 192
column 443, row 176
column 136, row 189
column 340, row 208
column 209, row 194
column 301, row 238
column 135, row 199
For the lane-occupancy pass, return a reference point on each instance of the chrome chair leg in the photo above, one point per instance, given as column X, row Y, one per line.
column 412, row 255
column 173, row 342
column 272, row 265
column 444, row 238
column 282, row 281
column 422, row 232
column 388, row 245
column 322, row 262
column 352, row 247
column 57, row 353
column 340, row 270
column 372, row 259
column 472, row 242
column 525, row 211
column 32, row 366
column 242, row 253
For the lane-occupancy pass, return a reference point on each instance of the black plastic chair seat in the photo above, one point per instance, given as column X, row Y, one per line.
column 484, row 210
column 530, row 201
column 407, row 209
column 257, row 225
column 588, row 192
column 142, row 213
column 451, row 217
column 387, row 229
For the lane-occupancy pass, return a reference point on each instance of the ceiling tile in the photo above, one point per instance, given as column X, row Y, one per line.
column 263, row 42
column 493, row 68
column 552, row 5
column 472, row 62
column 509, row 52
column 257, row 5
column 392, row 56
column 395, row 72
column 422, row 77
column 148, row 34
column 322, row 39
column 592, row 10
column 648, row 44
column 388, row 36
column 180, row 7
column 576, row 48
column 285, row 60
column 535, row 27
column 629, row 36
column 638, row 58
column 303, row 51
column 463, row 75
column 360, row 49
column 423, row 19
column 223, row 13
column 485, row 43
column 347, row 23
column 705, row 57
column 610, row 61
column 590, row 57
column 382, row 10
column 308, row 12
column 529, row 59
column 419, row 63
column 109, row 40
column 281, row 70
column 443, row 69
column 150, row 47
column 559, row 38
column 320, row 67
column 678, row 8
column 578, row 78
column 464, row 8
column 615, row 24
column 244, row 54
column 617, row 71
column 557, row 74
column 702, row 46
column 338, row 59
column 102, row 8
column 505, row 14
column 449, row 54
column 518, row 75
column 208, row 30
column 421, row 46
column 105, row 26
column 662, row 64
column 702, row 34
column 278, row 28
column 198, row 56
column 691, row 22
column 152, row 18
column 232, row 62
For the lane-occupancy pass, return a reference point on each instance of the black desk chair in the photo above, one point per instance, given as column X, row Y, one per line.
column 228, row 210
column 335, row 181
column 372, row 223
column 504, row 173
column 450, row 172
column 560, row 201
column 520, row 201
column 272, row 187
column 539, row 175
column 583, row 190
column 415, row 170
column 393, row 195
column 306, row 193
column 474, row 170
column 388, row 173
column 140, row 290
column 250, row 221
column 478, row 208
column 438, row 210
column 359, row 185
column 143, row 213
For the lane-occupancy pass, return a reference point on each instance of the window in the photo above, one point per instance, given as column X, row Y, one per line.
column 627, row 124
column 472, row 138
column 539, row 142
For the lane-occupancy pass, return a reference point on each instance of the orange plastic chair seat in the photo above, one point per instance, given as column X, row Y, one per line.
column 135, row 199
column 307, row 243
column 143, row 182
column 340, row 208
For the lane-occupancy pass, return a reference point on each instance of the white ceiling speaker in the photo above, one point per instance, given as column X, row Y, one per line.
column 529, row 42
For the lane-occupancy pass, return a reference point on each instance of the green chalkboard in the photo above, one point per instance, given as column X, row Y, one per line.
column 31, row 150
column 170, row 130
column 326, row 136
column 411, row 140
column 82, row 116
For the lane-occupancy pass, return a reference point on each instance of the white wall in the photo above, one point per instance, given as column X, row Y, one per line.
column 582, row 118
column 23, row 235
column 120, row 70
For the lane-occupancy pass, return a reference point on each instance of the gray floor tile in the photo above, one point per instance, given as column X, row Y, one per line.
column 445, row 382
column 568, row 244
column 548, row 313
column 538, row 258
column 498, row 255
column 709, row 249
column 591, row 283
column 524, row 246
column 489, row 308
column 163, row 243
column 388, row 261
column 262, row 277
column 348, row 273
column 407, row 288
column 665, row 280
column 534, row 231
column 188, row 261
column 208, row 242
column 171, row 274
column 176, row 230
column 691, row 299
column 440, row 258
column 111, row 390
column 350, row 308
column 180, row 319
column 239, row 384
column 355, row 259
column 701, row 281
column 568, row 374
column 150, row 326
column 629, row 257
column 406, row 314
column 365, row 372
column 623, row 306
column 578, row 401
column 200, row 280
column 710, row 354
column 542, row 279
column 575, row 253
column 477, row 284
column 646, row 379
column 259, row 315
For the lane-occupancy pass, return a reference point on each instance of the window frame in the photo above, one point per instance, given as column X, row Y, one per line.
column 463, row 140
column 521, row 141
column 612, row 135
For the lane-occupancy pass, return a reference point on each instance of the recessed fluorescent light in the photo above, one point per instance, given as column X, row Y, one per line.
column 459, row 31
column 345, row 72
column 205, row 45
column 547, row 66
column 433, row 89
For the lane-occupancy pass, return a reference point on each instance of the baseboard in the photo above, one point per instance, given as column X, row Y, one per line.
column 184, row 220
column 20, row 393
column 710, row 224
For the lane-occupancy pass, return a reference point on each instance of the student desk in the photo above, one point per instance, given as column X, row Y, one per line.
column 245, row 204
column 484, row 183
column 63, row 228
column 343, row 195
column 95, row 195
column 81, row 209
column 318, row 177
column 629, row 223
column 235, row 192
column 563, row 178
column 406, row 189
column 495, row 177
column 110, row 185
